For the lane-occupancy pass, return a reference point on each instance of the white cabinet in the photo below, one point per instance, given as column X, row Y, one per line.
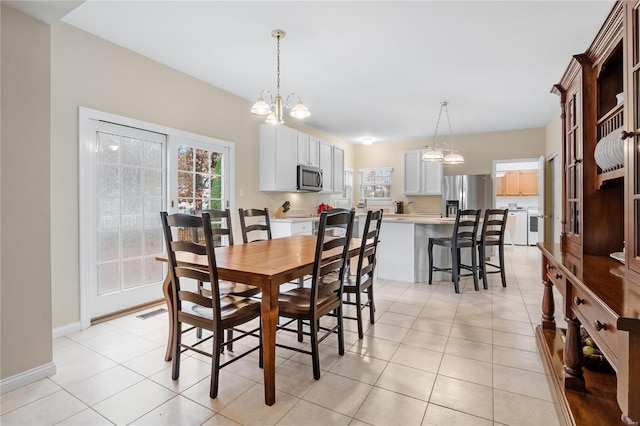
column 326, row 164
column 421, row 177
column 308, row 150
column 338, row 169
column 287, row 228
column 278, row 158
column 283, row 148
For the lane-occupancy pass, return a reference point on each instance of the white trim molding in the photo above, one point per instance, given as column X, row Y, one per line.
column 67, row 329
column 27, row 377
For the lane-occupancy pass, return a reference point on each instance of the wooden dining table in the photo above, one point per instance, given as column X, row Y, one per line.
column 266, row 264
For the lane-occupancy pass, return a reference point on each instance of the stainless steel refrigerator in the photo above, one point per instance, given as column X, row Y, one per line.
column 466, row 192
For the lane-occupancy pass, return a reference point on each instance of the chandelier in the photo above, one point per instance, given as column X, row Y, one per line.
column 435, row 155
column 274, row 108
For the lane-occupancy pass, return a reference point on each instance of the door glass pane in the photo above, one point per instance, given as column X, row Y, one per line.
column 130, row 191
column 200, row 184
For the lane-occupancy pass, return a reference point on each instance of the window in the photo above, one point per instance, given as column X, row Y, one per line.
column 347, row 189
column 375, row 183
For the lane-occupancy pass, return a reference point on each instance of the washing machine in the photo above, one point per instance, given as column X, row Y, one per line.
column 532, row 225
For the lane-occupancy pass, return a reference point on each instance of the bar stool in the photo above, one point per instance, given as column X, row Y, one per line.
column 464, row 235
column 493, row 228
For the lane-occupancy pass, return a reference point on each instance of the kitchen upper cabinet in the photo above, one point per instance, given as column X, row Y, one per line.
column 338, row 169
column 326, row 164
column 528, row 182
column 283, row 148
column 517, row 183
column 278, row 158
column 500, row 180
column 512, row 183
column 421, row 177
column 308, row 150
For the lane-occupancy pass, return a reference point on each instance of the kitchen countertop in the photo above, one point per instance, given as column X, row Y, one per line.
column 402, row 218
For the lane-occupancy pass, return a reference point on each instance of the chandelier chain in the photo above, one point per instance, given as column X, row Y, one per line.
column 278, row 85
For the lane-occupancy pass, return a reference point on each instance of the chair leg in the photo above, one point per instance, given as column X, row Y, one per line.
column 340, row 331
column 454, row 269
column 175, row 351
column 359, row 312
column 300, row 330
column 229, row 337
column 372, row 306
column 215, row 362
column 315, row 358
column 260, row 353
column 501, row 260
column 474, row 268
column 430, row 250
column 483, row 265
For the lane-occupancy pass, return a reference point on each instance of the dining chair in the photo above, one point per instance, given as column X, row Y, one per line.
column 362, row 281
column 216, row 313
column 259, row 214
column 223, row 230
column 464, row 235
column 493, row 229
column 309, row 304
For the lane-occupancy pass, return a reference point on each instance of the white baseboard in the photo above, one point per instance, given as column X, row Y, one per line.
column 27, row 377
column 67, row 329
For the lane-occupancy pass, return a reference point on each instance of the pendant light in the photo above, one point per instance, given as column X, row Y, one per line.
column 434, row 154
column 274, row 108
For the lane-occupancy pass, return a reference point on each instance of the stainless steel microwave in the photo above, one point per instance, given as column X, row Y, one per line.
column 309, row 178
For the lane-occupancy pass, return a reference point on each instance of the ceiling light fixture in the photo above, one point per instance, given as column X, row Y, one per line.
column 367, row 141
column 274, row 108
column 435, row 155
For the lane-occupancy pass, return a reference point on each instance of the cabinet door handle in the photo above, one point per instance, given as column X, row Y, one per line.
column 577, row 161
column 578, row 301
column 624, row 134
column 600, row 326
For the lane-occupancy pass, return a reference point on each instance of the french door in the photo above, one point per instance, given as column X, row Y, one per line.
column 127, row 177
column 130, row 191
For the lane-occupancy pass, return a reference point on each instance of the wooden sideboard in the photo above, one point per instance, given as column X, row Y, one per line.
column 600, row 105
column 595, row 295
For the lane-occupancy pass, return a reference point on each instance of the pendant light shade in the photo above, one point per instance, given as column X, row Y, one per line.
column 432, row 155
column 454, row 158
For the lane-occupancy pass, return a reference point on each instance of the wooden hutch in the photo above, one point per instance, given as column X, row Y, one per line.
column 601, row 212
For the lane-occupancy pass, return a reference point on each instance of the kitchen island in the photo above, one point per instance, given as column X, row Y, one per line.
column 402, row 251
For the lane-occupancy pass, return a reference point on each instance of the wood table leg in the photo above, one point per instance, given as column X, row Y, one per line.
column 269, row 306
column 166, row 290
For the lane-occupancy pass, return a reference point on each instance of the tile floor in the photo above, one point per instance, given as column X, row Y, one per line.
column 432, row 358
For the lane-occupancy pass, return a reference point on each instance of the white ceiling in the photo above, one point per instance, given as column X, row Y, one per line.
column 368, row 68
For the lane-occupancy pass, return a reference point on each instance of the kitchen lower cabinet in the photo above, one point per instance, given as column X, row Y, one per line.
column 288, row 227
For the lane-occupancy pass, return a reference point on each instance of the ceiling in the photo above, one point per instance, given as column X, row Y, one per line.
column 368, row 68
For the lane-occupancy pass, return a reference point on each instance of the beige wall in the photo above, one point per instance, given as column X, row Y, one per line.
column 553, row 136
column 25, row 223
column 479, row 151
column 91, row 72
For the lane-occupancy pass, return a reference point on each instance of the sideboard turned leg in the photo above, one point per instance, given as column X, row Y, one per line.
column 573, row 378
column 548, row 306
